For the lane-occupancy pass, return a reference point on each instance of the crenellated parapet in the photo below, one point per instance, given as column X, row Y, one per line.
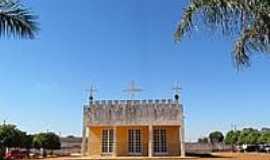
column 150, row 101
column 134, row 112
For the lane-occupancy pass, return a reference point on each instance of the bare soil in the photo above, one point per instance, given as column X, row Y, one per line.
column 238, row 156
column 215, row 156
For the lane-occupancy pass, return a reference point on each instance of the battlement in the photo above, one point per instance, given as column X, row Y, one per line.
column 124, row 102
column 134, row 112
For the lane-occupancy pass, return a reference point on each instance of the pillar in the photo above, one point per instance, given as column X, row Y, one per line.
column 84, row 138
column 114, row 141
column 182, row 140
column 150, row 141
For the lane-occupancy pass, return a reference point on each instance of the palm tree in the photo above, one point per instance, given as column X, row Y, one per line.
column 249, row 20
column 17, row 20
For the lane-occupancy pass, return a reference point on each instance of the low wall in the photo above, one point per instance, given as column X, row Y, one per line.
column 205, row 148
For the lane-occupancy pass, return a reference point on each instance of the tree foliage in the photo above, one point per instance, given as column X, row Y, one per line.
column 40, row 140
column 248, row 136
column 53, row 141
column 264, row 138
column 253, row 137
column 16, row 20
column 216, row 137
column 247, row 19
column 232, row 137
column 27, row 141
column 46, row 141
column 203, row 140
column 10, row 136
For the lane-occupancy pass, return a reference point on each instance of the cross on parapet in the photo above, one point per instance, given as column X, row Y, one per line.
column 132, row 89
column 177, row 90
column 92, row 91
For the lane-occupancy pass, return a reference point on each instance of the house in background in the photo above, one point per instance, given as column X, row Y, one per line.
column 146, row 128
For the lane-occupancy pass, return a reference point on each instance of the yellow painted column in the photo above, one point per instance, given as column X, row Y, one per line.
column 84, row 132
column 182, row 140
column 114, row 141
column 150, row 141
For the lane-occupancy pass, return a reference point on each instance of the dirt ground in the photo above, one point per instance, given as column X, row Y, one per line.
column 238, row 156
column 216, row 156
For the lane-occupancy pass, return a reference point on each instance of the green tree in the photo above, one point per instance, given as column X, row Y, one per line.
column 263, row 130
column 216, row 137
column 53, row 142
column 46, row 141
column 40, row 140
column 232, row 137
column 247, row 19
column 249, row 136
column 243, row 138
column 2, row 150
column 10, row 137
column 253, row 137
column 16, row 20
column 203, row 140
column 27, row 142
column 264, row 138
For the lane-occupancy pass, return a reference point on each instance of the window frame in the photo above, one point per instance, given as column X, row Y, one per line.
column 159, row 142
column 134, row 141
column 107, row 141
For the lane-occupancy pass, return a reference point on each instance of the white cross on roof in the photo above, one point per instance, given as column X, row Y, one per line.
column 132, row 89
column 92, row 91
column 177, row 88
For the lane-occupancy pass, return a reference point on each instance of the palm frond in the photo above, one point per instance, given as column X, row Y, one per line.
column 255, row 39
column 16, row 20
column 223, row 14
column 249, row 19
column 241, row 48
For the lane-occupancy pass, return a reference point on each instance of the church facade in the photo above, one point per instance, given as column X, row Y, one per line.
column 145, row 128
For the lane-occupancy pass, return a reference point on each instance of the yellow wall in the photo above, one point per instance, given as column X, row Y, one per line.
column 95, row 140
column 172, row 140
column 122, row 143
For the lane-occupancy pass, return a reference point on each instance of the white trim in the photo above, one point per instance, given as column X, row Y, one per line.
column 135, row 154
column 150, row 141
column 107, row 146
column 106, row 154
column 161, row 153
column 159, row 141
column 134, row 141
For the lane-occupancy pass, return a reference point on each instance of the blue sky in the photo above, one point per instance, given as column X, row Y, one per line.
column 110, row 42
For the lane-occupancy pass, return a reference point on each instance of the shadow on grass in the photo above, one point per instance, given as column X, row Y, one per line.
column 206, row 155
